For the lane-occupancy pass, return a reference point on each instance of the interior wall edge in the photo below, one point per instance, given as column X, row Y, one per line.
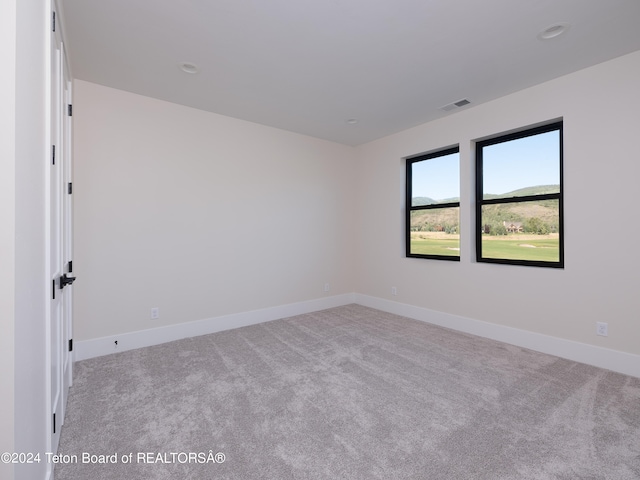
column 8, row 24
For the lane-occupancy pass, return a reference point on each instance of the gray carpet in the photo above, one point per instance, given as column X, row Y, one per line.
column 349, row 393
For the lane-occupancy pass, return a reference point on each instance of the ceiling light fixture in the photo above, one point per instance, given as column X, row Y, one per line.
column 352, row 121
column 553, row 31
column 189, row 67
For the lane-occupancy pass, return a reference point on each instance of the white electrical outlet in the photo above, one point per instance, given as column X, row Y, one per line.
column 602, row 328
column 326, row 287
column 394, row 291
column 155, row 313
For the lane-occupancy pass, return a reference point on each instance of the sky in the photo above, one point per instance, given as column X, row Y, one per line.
column 437, row 178
column 525, row 162
column 507, row 166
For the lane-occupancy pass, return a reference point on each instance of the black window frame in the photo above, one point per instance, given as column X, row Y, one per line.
column 480, row 201
column 410, row 208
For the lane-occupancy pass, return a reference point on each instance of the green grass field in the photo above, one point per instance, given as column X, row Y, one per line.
column 541, row 248
column 435, row 244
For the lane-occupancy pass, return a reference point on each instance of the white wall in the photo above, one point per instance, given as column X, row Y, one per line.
column 31, row 153
column 199, row 214
column 7, row 226
column 601, row 278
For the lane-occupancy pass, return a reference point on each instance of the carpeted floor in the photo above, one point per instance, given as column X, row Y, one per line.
column 348, row 393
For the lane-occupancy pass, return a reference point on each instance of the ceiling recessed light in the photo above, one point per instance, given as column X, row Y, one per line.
column 553, row 31
column 189, row 67
column 352, row 121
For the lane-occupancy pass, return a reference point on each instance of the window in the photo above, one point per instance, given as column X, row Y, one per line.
column 432, row 226
column 519, row 198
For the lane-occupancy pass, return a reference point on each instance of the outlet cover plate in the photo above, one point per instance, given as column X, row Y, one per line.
column 602, row 329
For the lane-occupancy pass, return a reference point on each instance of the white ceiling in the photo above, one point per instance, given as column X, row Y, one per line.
column 310, row 65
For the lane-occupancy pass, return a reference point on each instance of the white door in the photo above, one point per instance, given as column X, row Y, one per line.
column 60, row 230
column 67, row 237
column 55, row 238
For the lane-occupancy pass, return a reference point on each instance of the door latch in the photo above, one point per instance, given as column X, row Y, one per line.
column 64, row 281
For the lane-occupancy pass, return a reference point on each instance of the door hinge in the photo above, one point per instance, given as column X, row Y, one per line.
column 53, row 289
column 54, row 423
column 70, row 266
column 53, row 21
column 70, row 188
column 71, row 344
column 53, row 154
column 70, row 110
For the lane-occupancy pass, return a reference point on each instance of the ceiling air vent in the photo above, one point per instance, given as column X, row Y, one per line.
column 454, row 105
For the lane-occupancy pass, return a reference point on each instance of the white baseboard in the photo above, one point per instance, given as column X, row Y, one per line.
column 145, row 338
column 621, row 362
